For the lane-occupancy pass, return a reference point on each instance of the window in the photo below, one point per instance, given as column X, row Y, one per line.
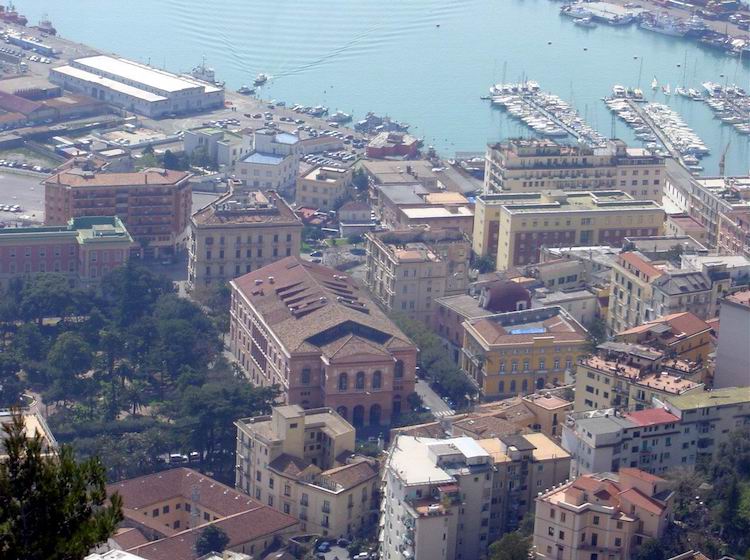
column 305, row 377
column 377, row 380
column 360, row 380
column 165, row 509
column 596, row 520
column 155, row 513
column 398, row 370
column 343, row 381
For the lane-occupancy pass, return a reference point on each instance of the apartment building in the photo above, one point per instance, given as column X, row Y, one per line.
column 312, row 331
column 323, row 188
column 270, row 161
column 240, row 232
column 680, row 335
column 222, row 147
column 407, row 270
column 302, row 462
column 154, row 204
column 84, row 250
column 166, row 512
column 582, row 304
column 518, row 352
column 733, row 352
column 643, row 290
column 601, row 515
column 514, row 227
column 606, row 440
column 630, row 376
column 403, row 206
column 708, row 417
column 530, row 165
column 523, row 466
column 681, row 225
column 436, row 499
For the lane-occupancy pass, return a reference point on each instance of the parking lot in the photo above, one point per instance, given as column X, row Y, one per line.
column 25, row 191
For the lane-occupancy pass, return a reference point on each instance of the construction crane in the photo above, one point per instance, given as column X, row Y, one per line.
column 722, row 161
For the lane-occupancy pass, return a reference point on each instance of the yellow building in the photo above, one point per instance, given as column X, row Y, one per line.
column 301, row 463
column 529, row 165
column 518, row 352
column 514, row 227
column 323, row 188
column 630, row 376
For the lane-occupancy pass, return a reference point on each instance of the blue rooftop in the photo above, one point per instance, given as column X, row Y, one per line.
column 266, row 159
column 286, row 138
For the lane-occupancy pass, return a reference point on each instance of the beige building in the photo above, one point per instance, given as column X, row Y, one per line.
column 630, row 376
column 643, row 290
column 407, row 270
column 302, row 463
column 270, row 161
column 451, row 498
column 601, row 516
column 323, row 188
column 519, row 352
column 524, row 165
column 239, row 233
column 513, row 227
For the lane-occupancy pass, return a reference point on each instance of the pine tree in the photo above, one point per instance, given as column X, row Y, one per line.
column 51, row 507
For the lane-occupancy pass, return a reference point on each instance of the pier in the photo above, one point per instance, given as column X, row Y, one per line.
column 658, row 132
column 584, row 134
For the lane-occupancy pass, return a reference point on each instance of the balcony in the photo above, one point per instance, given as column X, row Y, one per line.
column 326, row 508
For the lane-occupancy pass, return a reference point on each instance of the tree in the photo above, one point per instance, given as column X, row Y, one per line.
column 211, row 539
column 484, row 264
column 51, row 507
column 354, row 239
column 359, row 179
column 313, row 233
column 70, row 354
column 10, row 385
column 650, row 550
column 513, row 546
column 597, row 333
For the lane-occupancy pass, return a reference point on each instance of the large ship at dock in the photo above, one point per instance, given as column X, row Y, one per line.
column 9, row 14
column 665, row 25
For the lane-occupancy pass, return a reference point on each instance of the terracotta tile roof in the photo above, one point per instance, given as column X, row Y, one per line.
column 651, row 417
column 640, row 500
column 141, row 492
column 288, row 465
column 487, row 426
column 241, row 528
column 302, row 302
column 351, row 476
column 558, row 326
column 643, row 475
column 148, row 177
column 641, row 265
column 16, row 104
column 128, row 538
column 352, row 345
column 354, row 206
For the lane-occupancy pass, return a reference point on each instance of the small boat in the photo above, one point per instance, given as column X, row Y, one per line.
column 586, row 22
column 246, row 90
column 654, row 83
column 618, row 91
column 666, row 90
column 260, row 79
column 681, row 91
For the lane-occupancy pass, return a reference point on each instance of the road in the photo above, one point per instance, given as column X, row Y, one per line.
column 430, row 398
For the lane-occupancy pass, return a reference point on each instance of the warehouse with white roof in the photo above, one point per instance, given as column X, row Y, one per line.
column 137, row 87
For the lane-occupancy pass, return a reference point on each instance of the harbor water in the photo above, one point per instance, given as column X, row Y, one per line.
column 426, row 62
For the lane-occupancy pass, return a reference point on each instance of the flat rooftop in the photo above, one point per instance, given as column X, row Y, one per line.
column 559, row 201
column 430, row 212
column 522, row 327
column 253, row 208
column 109, row 84
column 715, row 397
column 264, row 159
column 138, row 73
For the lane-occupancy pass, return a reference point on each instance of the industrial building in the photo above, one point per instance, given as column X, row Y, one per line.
column 137, row 87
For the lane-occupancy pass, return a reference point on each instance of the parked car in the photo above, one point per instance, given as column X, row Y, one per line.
column 316, row 254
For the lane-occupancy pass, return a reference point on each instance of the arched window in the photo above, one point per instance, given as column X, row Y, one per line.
column 358, row 415
column 377, row 380
column 501, row 387
column 513, row 386
column 375, row 413
column 305, row 378
column 398, row 371
column 396, row 405
column 360, row 380
column 525, row 386
column 343, row 381
column 540, row 383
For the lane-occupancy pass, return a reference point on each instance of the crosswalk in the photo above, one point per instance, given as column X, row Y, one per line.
column 443, row 413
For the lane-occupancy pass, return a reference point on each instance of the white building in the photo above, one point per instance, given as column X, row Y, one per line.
column 136, row 87
column 738, row 266
column 605, row 441
column 436, row 503
column 733, row 352
column 223, row 147
column 581, row 304
column 271, row 161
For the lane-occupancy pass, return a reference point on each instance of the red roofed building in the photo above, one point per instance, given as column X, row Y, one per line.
column 680, row 335
column 165, row 513
column 311, row 330
column 606, row 516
